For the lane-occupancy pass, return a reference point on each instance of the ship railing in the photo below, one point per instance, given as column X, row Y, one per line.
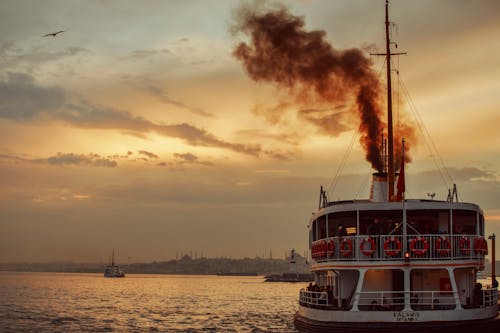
column 395, row 300
column 489, row 297
column 315, row 299
column 381, row 300
column 392, row 247
column 432, row 300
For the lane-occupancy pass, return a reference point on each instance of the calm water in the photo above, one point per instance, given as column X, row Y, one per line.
column 58, row 302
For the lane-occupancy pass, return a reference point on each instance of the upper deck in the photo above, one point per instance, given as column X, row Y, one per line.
column 374, row 231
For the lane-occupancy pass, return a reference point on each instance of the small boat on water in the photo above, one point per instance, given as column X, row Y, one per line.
column 403, row 265
column 113, row 270
column 292, row 275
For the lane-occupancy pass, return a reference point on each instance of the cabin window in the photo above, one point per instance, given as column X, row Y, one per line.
column 314, row 230
column 464, row 222
column 322, row 227
column 346, row 219
column 428, row 221
column 390, row 220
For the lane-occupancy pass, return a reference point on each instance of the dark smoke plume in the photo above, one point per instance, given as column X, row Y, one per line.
column 282, row 52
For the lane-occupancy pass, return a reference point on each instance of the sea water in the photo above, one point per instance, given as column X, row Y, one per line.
column 72, row 302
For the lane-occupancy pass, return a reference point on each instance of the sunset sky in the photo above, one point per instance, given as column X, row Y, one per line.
column 138, row 129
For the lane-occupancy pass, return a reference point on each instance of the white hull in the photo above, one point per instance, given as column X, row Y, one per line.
column 113, row 272
column 398, row 316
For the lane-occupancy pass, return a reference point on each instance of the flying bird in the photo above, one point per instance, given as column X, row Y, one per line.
column 54, row 34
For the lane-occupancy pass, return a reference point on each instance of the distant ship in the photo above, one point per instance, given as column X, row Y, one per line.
column 113, row 270
column 237, row 274
column 292, row 275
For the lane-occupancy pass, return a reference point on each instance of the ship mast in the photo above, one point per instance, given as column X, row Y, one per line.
column 390, row 136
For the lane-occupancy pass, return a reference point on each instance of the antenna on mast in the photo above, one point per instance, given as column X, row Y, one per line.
column 390, row 137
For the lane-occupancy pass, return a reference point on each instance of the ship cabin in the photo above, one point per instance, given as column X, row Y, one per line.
column 407, row 256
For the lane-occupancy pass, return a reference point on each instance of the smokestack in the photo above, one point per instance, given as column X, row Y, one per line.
column 378, row 190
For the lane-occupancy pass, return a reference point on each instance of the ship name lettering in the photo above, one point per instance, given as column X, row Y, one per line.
column 406, row 316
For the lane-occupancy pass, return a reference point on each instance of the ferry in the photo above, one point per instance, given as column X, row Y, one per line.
column 401, row 264
column 113, row 270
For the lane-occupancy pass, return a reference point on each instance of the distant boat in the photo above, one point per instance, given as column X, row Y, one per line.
column 237, row 274
column 292, row 275
column 113, row 270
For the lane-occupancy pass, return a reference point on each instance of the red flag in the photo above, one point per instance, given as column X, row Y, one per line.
column 401, row 179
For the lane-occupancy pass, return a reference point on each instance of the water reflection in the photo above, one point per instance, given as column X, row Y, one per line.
column 48, row 302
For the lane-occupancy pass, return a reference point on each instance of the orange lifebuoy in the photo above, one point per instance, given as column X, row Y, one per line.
column 419, row 246
column 465, row 245
column 331, row 248
column 370, row 251
column 389, row 246
column 323, row 248
column 443, row 246
column 316, row 249
column 345, row 247
column 480, row 245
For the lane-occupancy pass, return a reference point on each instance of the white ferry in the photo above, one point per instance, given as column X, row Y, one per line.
column 401, row 265
column 113, row 270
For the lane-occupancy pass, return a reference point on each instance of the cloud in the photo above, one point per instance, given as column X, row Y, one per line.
column 143, row 54
column 474, row 174
column 188, row 158
column 164, row 98
column 280, row 155
column 148, row 154
column 269, row 188
column 13, row 56
column 202, row 62
column 79, row 159
column 62, row 159
column 467, row 174
column 286, row 137
column 22, row 99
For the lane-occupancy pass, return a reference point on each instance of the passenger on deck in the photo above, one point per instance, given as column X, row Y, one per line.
column 375, row 229
column 341, row 231
column 477, row 296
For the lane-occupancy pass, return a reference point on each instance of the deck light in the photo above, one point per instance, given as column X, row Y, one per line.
column 407, row 257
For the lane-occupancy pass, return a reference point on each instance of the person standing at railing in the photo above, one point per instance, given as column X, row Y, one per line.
column 477, row 295
column 341, row 231
column 376, row 229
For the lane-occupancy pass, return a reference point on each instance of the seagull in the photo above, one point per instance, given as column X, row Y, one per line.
column 54, row 34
